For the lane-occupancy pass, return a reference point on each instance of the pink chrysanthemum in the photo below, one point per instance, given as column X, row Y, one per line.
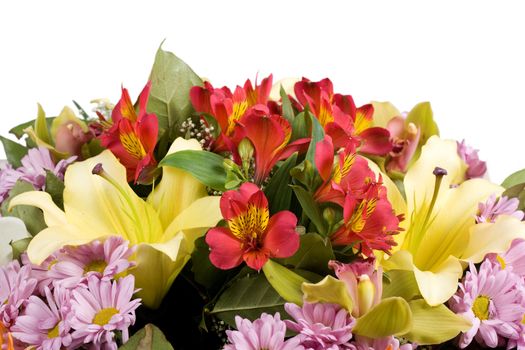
column 513, row 258
column 491, row 299
column 476, row 167
column 37, row 162
column 386, row 343
column 8, row 179
column 494, row 207
column 101, row 309
column 45, row 326
column 105, row 260
column 16, row 286
column 265, row 333
column 321, row 326
column 42, row 273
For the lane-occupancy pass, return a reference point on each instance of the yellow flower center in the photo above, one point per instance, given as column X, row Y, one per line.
column 501, row 262
column 104, row 316
column 523, row 319
column 325, row 116
column 53, row 333
column 132, row 144
column 238, row 111
column 96, row 266
column 251, row 224
column 480, row 308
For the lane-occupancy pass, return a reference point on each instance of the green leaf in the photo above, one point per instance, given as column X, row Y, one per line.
column 248, row 297
column 13, row 151
column 287, row 106
column 278, row 191
column 329, row 290
column 434, row 324
column 311, row 209
column 286, row 282
column 148, row 338
column 518, row 192
column 171, row 81
column 392, row 316
column 514, row 179
column 18, row 130
column 19, row 246
column 41, row 128
column 402, row 284
column 317, row 135
column 31, row 216
column 313, row 255
column 55, row 187
column 299, row 127
column 203, row 165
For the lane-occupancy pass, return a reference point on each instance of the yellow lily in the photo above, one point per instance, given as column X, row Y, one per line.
column 98, row 205
column 440, row 232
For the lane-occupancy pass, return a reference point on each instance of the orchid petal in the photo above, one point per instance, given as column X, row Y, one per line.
column 392, row 316
column 329, row 290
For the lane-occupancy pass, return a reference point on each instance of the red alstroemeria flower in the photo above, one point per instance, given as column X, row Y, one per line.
column 269, row 135
column 131, row 137
column 347, row 125
column 252, row 235
column 228, row 108
column 349, row 174
column 369, row 223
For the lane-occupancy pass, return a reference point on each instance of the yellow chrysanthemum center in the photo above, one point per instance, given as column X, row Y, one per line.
column 480, row 308
column 53, row 333
column 523, row 319
column 96, row 266
column 132, row 144
column 251, row 224
column 501, row 262
column 104, row 316
column 238, row 111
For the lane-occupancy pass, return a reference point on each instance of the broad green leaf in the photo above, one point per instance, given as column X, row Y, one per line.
column 55, row 187
column 311, row 208
column 20, row 246
column 14, row 151
column 518, row 192
column 286, row 282
column 401, row 283
column 41, row 128
column 392, row 316
column 514, row 179
column 329, row 290
column 434, row 324
column 148, row 338
column 248, row 297
column 313, row 255
column 278, row 191
column 317, row 135
column 171, row 81
column 287, row 106
column 18, row 130
column 205, row 166
column 299, row 127
column 383, row 112
column 31, row 216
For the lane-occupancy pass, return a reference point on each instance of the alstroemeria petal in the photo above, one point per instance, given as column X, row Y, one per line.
column 53, row 238
column 226, row 251
column 324, row 157
column 11, row 229
column 53, row 215
column 434, row 325
column 281, row 239
column 177, row 189
column 493, row 237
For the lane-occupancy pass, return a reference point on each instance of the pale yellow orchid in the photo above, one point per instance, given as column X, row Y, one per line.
column 440, row 232
column 164, row 227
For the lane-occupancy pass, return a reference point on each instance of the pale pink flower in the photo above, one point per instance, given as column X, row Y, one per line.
column 513, row 258
column 321, row 326
column 105, row 259
column 492, row 300
column 8, row 179
column 265, row 333
column 37, row 162
column 16, row 286
column 42, row 273
column 386, row 343
column 44, row 324
column 101, row 309
column 476, row 167
column 494, row 207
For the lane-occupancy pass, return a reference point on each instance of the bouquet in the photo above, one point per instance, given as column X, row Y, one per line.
column 269, row 216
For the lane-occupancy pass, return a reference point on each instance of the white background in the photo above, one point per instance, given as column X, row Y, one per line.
column 466, row 57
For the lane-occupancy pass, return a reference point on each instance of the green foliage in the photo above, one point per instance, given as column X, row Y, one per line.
column 517, row 191
column 18, row 130
column 148, row 338
column 278, row 191
column 313, row 255
column 317, row 136
column 288, row 112
column 514, row 179
column 171, row 81
column 300, row 126
column 55, row 187
column 14, row 151
column 311, row 209
column 207, row 167
column 19, row 246
column 31, row 216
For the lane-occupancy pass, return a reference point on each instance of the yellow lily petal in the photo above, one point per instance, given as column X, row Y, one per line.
column 177, row 189
column 53, row 238
column 400, row 260
column 438, row 285
column 493, row 237
column 393, row 194
column 329, row 290
column 53, row 215
column 383, row 112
